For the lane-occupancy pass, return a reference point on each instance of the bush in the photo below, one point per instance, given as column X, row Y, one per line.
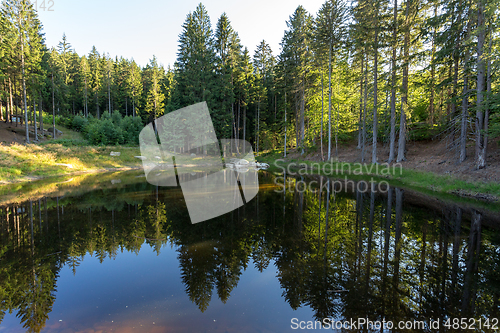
column 78, row 123
column 109, row 130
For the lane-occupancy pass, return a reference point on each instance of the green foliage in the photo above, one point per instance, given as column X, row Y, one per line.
column 421, row 132
column 78, row 123
column 109, row 130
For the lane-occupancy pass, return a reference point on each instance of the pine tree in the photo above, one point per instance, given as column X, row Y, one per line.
column 155, row 106
column 195, row 70
column 134, row 86
column 330, row 31
column 263, row 63
column 296, row 49
column 95, row 77
column 85, row 78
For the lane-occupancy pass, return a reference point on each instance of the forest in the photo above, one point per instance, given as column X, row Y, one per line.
column 374, row 72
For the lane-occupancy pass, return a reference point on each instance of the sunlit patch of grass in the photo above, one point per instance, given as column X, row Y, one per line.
column 25, row 161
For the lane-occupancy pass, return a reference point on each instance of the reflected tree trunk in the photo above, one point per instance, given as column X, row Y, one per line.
column 469, row 297
column 456, row 248
column 397, row 245
column 370, row 235
column 387, row 239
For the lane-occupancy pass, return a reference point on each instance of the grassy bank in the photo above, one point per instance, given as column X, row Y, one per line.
column 59, row 157
column 395, row 175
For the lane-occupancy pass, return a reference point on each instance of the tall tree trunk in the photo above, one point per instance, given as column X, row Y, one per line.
column 302, row 115
column 337, row 132
column 360, row 104
column 109, row 95
column 488, row 98
column 40, row 113
column 456, row 58
column 404, row 95
column 375, row 93
column 86, row 97
column 11, row 101
column 285, row 125
column 433, row 72
column 34, row 119
column 97, row 105
column 480, row 119
column 365, row 100
column 322, row 112
column 465, row 103
column 53, row 110
column 257, row 128
column 25, row 106
column 16, row 104
column 392, row 139
column 330, row 101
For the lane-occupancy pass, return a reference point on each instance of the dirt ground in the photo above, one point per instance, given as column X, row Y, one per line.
column 431, row 156
column 10, row 133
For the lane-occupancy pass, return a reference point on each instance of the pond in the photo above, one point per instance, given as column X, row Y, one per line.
column 112, row 253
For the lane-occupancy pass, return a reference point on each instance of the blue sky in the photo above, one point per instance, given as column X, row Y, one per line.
column 141, row 29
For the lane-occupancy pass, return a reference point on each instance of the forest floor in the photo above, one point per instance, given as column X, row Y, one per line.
column 427, row 156
column 430, row 165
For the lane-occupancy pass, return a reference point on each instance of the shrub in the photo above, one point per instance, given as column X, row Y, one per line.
column 78, row 123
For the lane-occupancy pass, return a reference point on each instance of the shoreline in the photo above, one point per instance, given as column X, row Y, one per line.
column 29, row 179
column 414, row 179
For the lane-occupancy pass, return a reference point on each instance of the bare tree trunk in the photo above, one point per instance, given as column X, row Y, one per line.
column 455, row 84
column 25, row 106
column 392, row 140
column 360, row 104
column 86, row 97
column 480, row 149
column 375, row 92
column 465, row 104
column 365, row 98
column 11, row 101
column 433, row 73
column 404, row 95
column 257, row 127
column 34, row 119
column 329, row 102
column 322, row 111
column 53, row 110
column 97, row 105
column 302, row 115
column 285, row 125
column 40, row 114
column 109, row 94
column 488, row 97
column 337, row 132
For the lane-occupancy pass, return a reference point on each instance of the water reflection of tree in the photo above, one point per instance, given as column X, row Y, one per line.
column 345, row 256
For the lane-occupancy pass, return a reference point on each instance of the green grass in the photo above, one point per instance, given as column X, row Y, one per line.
column 25, row 162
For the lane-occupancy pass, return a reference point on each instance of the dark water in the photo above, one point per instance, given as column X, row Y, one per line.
column 124, row 257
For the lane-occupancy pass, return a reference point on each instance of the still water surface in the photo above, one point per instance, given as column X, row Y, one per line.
column 122, row 256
